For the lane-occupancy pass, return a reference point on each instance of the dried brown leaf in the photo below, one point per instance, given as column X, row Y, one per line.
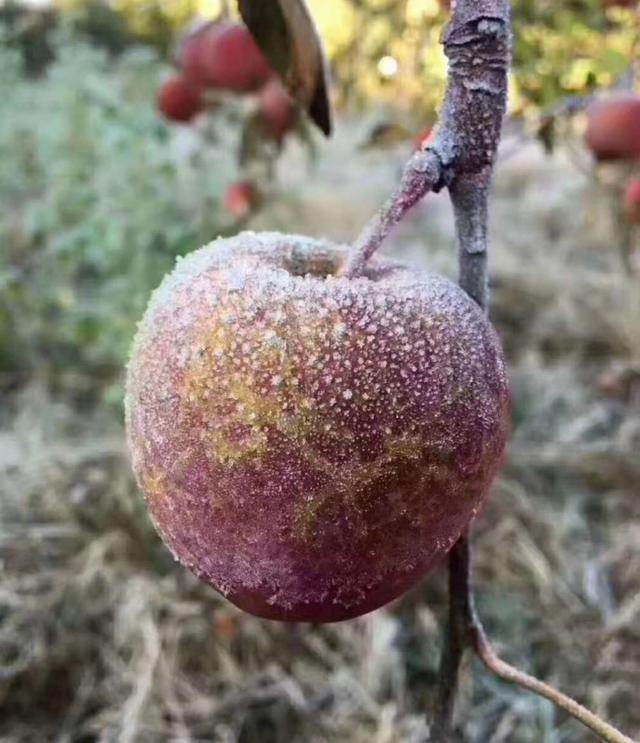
column 287, row 35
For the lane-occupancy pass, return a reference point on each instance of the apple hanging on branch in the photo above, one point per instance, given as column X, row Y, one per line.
column 277, row 111
column 354, row 415
column 179, row 100
column 313, row 427
column 223, row 55
column 220, row 67
column 313, row 422
column 613, row 127
column 240, row 199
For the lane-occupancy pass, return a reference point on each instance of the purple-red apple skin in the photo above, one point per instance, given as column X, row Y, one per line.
column 310, row 445
column 224, row 55
column 178, row 100
column 613, row 127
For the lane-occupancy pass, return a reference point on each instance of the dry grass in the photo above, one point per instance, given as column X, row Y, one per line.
column 104, row 638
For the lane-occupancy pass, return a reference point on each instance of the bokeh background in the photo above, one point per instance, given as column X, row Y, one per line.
column 102, row 636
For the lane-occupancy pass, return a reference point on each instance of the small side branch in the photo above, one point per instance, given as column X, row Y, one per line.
column 465, row 631
column 507, row 672
column 421, row 175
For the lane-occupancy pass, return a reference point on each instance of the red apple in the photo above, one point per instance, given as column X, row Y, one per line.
column 632, row 200
column 425, row 136
column 179, row 100
column 307, row 444
column 619, row 3
column 240, row 199
column 278, row 111
column 224, row 55
column 613, row 127
column 225, row 625
column 188, row 51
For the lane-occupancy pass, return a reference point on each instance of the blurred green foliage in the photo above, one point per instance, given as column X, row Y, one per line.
column 31, row 30
column 98, row 198
column 561, row 48
column 564, row 48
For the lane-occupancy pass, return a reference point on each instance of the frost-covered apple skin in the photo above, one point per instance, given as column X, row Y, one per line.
column 306, row 444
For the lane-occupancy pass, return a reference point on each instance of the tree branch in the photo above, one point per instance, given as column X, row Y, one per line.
column 464, row 631
column 456, row 639
column 477, row 43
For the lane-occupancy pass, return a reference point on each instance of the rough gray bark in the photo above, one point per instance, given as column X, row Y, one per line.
column 477, row 43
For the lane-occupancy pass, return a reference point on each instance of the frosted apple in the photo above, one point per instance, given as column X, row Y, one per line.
column 307, row 444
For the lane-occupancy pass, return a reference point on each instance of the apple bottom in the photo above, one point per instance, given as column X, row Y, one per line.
column 252, row 549
column 325, row 611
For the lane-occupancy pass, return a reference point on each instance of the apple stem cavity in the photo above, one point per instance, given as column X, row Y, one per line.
column 461, row 156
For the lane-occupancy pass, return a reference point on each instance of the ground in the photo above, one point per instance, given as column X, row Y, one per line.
column 103, row 637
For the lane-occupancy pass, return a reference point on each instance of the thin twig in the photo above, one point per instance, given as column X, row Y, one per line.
column 464, row 631
column 507, row 672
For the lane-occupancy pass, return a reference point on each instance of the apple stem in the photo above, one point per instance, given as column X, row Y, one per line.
column 421, row 175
